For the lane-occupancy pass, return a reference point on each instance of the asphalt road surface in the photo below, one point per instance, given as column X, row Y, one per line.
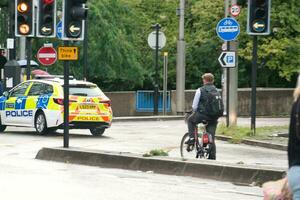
column 23, row 177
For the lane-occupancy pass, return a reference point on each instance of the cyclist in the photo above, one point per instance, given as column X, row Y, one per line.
column 203, row 101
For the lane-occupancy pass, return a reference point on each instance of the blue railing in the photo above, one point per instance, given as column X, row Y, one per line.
column 144, row 101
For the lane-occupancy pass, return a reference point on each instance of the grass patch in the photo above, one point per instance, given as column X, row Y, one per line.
column 238, row 133
column 156, row 152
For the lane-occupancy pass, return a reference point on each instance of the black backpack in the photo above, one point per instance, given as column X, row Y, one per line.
column 213, row 106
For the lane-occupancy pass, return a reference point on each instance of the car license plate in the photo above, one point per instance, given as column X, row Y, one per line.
column 87, row 107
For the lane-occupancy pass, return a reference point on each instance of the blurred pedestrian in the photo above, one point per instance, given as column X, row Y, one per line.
column 294, row 145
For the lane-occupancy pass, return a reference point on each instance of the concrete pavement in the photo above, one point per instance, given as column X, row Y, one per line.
column 257, row 172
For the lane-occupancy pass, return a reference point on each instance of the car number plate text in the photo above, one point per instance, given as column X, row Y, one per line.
column 87, row 107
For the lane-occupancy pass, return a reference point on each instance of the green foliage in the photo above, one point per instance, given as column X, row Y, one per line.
column 156, row 152
column 120, row 59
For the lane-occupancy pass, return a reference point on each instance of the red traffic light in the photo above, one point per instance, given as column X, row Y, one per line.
column 48, row 1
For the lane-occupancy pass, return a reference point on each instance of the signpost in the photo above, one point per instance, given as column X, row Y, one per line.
column 227, row 59
column 47, row 56
column 156, row 40
column 228, row 29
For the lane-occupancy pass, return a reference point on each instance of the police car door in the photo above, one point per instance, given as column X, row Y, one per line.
column 15, row 111
column 38, row 98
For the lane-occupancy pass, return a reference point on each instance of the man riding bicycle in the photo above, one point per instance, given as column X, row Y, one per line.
column 207, row 106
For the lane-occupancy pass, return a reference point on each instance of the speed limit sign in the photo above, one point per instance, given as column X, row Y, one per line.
column 235, row 10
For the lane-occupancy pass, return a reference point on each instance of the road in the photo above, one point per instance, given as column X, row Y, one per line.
column 35, row 179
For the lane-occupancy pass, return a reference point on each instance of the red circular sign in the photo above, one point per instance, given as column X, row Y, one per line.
column 47, row 55
column 235, row 10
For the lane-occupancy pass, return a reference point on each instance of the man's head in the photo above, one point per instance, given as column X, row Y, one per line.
column 208, row 78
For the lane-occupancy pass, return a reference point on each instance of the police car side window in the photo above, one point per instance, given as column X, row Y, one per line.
column 20, row 90
column 48, row 89
column 36, row 89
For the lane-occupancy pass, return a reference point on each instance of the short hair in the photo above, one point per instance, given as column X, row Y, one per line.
column 208, row 77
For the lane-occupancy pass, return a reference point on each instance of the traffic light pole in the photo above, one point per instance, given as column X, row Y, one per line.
column 66, row 100
column 85, row 50
column 28, row 52
column 253, row 80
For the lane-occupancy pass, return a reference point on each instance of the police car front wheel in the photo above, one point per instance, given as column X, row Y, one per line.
column 40, row 123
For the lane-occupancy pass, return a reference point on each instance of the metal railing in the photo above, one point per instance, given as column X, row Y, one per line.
column 144, row 101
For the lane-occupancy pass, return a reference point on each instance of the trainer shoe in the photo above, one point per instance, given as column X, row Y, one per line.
column 190, row 141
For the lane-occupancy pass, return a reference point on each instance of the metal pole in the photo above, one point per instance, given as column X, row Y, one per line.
column 180, row 67
column 85, row 50
column 165, row 83
column 28, row 51
column 156, row 87
column 66, row 100
column 225, row 71
column 233, row 84
column 253, row 92
column 22, row 55
column 11, row 29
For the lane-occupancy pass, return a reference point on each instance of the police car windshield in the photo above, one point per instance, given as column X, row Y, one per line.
column 85, row 90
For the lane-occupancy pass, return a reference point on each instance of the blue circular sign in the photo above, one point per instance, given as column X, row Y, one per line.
column 228, row 29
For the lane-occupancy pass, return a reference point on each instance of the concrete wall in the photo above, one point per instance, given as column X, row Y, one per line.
column 270, row 102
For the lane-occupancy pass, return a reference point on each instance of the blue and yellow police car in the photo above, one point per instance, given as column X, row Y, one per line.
column 38, row 103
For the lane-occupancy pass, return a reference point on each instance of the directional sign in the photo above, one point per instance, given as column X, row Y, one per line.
column 59, row 30
column 228, row 29
column 68, row 53
column 47, row 55
column 227, row 59
column 161, row 40
column 235, row 10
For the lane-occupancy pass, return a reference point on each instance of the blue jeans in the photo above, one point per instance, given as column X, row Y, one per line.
column 294, row 181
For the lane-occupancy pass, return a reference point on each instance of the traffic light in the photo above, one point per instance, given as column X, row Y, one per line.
column 74, row 14
column 46, row 18
column 24, row 18
column 258, row 17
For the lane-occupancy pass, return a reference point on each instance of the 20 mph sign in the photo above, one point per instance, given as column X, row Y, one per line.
column 235, row 10
column 47, row 55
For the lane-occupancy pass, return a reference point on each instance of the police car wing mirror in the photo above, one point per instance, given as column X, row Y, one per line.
column 5, row 94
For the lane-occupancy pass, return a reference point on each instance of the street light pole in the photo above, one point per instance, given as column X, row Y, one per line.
column 180, row 68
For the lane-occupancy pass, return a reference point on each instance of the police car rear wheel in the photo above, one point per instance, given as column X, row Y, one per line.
column 40, row 123
column 97, row 131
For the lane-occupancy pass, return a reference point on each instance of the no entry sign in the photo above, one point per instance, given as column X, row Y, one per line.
column 47, row 55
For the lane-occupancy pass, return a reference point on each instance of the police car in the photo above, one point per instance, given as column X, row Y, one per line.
column 38, row 103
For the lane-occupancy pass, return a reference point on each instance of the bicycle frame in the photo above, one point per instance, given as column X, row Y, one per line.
column 201, row 149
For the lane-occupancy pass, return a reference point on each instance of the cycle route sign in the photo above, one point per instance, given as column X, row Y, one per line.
column 228, row 29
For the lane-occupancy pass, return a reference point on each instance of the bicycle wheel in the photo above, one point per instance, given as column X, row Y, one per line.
column 187, row 151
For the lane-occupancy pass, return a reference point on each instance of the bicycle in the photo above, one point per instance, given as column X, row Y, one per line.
column 202, row 145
